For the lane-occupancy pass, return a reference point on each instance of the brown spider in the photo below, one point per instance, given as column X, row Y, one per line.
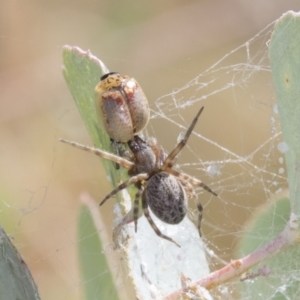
column 159, row 186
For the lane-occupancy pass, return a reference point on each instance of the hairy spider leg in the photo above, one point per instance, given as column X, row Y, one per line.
column 188, row 188
column 119, row 160
column 169, row 160
column 125, row 184
column 200, row 209
column 152, row 224
column 190, row 179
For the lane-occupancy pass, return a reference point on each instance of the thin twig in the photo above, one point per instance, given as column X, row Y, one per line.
column 288, row 237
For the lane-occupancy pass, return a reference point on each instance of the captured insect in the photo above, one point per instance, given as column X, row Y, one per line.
column 122, row 106
column 160, row 187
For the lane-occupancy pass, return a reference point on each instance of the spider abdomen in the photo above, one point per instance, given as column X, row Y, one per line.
column 166, row 198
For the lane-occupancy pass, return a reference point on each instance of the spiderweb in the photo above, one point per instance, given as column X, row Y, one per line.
column 236, row 150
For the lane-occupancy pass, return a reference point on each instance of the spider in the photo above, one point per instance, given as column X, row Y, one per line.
column 159, row 186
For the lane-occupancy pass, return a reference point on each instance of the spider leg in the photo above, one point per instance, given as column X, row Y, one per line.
column 200, row 209
column 118, row 160
column 125, row 184
column 188, row 187
column 190, row 179
column 190, row 190
column 152, row 224
column 136, row 206
column 169, row 160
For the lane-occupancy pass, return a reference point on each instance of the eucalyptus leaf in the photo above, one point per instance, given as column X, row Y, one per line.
column 16, row 281
column 154, row 264
column 284, row 53
column 269, row 222
column 82, row 71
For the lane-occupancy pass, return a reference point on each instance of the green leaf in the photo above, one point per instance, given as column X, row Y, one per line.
column 284, row 53
column 82, row 71
column 150, row 259
column 98, row 281
column 284, row 279
column 16, row 281
column 284, row 268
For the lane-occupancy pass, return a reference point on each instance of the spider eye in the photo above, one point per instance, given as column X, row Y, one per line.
column 137, row 144
column 133, row 145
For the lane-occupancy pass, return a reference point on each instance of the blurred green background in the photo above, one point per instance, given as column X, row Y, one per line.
column 163, row 44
